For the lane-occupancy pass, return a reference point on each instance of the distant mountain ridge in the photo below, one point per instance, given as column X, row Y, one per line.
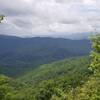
column 73, row 36
column 20, row 54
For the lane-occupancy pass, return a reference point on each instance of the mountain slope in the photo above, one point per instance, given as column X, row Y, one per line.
column 69, row 68
column 61, row 80
column 18, row 55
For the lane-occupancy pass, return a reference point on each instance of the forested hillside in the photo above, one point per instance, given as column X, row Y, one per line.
column 69, row 79
column 77, row 78
column 18, row 55
column 69, row 69
column 48, row 80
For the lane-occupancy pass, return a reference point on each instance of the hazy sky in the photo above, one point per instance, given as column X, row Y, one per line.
column 50, row 17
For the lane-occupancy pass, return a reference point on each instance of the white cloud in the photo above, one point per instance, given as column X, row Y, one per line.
column 49, row 17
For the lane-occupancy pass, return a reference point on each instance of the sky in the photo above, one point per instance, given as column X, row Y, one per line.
column 55, row 18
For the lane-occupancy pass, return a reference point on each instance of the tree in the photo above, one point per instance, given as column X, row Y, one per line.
column 48, row 90
column 91, row 89
column 95, row 54
column 1, row 18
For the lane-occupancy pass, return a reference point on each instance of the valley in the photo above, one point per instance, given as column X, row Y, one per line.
column 72, row 74
column 19, row 55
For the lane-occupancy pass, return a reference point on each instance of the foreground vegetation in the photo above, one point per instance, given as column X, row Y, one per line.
column 49, row 80
column 71, row 79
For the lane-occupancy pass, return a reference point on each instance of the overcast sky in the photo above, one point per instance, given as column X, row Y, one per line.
column 57, row 18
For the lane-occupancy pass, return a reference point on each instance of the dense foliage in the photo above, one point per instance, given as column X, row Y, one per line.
column 70, row 79
column 49, row 81
column 73, row 68
column 91, row 89
column 95, row 55
column 18, row 55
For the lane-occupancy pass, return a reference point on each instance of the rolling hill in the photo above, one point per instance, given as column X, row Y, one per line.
column 69, row 79
column 18, row 55
column 74, row 78
column 72, row 68
column 47, row 81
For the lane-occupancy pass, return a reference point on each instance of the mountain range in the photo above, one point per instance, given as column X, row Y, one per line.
column 18, row 55
column 43, row 68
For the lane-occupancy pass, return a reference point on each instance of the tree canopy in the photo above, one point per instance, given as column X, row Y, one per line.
column 95, row 54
